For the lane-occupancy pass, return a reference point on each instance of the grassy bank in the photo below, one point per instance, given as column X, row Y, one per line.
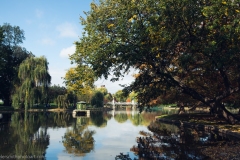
column 52, row 107
column 34, row 108
column 99, row 109
column 202, row 118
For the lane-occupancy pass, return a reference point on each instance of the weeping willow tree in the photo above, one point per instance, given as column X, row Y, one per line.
column 66, row 100
column 34, row 81
column 62, row 101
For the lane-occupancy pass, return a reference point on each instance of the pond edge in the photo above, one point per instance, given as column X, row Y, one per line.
column 208, row 128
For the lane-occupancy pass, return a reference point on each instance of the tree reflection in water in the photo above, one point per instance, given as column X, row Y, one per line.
column 98, row 119
column 79, row 140
column 30, row 139
column 25, row 133
column 171, row 142
column 6, row 140
column 121, row 117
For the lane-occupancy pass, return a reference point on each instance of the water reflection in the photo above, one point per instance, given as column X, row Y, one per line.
column 59, row 119
column 97, row 119
column 103, row 135
column 121, row 117
column 23, row 136
column 78, row 140
column 171, row 142
column 134, row 116
column 6, row 139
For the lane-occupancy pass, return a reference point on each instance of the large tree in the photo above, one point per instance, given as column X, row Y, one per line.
column 192, row 47
column 34, row 81
column 97, row 99
column 80, row 79
column 120, row 96
column 11, row 56
column 54, row 91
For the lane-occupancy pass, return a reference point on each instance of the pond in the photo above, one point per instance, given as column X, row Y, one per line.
column 123, row 134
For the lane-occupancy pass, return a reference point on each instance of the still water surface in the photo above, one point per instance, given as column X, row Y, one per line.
column 106, row 135
column 61, row 136
column 111, row 136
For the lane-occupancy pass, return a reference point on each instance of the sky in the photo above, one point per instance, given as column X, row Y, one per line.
column 51, row 27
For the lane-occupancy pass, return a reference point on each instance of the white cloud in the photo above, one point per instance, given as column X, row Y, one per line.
column 67, row 30
column 38, row 13
column 47, row 41
column 65, row 52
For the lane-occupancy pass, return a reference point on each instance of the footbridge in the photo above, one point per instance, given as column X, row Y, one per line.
column 122, row 104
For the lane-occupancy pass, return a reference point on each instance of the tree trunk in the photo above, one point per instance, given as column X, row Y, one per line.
column 221, row 110
column 181, row 108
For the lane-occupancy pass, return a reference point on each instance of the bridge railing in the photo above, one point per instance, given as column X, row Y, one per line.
column 122, row 103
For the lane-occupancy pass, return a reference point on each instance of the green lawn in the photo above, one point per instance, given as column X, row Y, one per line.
column 202, row 118
column 44, row 107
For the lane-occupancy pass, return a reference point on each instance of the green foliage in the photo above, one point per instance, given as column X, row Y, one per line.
column 186, row 46
column 80, row 79
column 85, row 97
column 67, row 100
column 11, row 57
column 97, row 99
column 13, row 35
column 103, row 90
column 61, row 101
column 133, row 96
column 34, row 82
column 1, row 35
column 54, row 91
column 108, row 98
column 120, row 96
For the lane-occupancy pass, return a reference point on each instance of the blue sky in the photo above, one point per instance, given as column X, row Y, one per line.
column 51, row 27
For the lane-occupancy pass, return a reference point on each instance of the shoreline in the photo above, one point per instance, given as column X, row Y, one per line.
column 211, row 128
column 54, row 110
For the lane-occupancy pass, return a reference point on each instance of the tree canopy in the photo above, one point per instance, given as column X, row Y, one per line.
column 191, row 47
column 80, row 79
column 119, row 96
column 54, row 91
column 97, row 99
column 11, row 56
column 34, row 82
